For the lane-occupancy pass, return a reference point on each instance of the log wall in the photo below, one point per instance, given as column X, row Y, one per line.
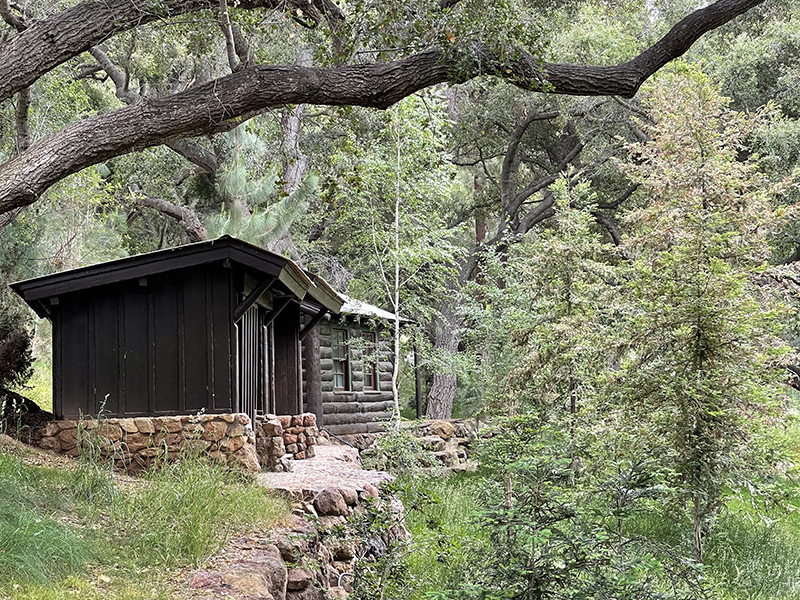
column 355, row 411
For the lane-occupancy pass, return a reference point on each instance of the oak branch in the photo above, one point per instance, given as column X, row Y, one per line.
column 45, row 44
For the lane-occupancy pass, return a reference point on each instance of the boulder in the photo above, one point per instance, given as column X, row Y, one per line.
column 444, row 429
column 329, row 502
column 297, row 579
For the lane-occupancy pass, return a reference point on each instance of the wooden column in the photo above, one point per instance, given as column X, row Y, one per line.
column 313, row 373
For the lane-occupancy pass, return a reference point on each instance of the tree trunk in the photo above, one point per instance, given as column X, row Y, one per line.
column 447, row 336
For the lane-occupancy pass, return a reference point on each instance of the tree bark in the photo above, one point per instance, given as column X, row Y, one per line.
column 295, row 162
column 313, row 374
column 447, row 336
column 51, row 42
column 185, row 216
column 46, row 44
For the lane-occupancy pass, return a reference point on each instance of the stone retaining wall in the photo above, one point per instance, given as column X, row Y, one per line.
column 283, row 438
column 137, row 443
column 449, row 440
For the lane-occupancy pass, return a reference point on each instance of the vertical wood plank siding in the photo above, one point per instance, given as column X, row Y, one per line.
column 155, row 346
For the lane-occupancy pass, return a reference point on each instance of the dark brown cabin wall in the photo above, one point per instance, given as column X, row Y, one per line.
column 286, row 331
column 153, row 346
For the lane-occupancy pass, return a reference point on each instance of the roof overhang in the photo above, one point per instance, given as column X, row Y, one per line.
column 226, row 250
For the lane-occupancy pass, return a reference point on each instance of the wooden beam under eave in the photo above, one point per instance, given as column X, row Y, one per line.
column 251, row 298
column 312, row 323
column 277, row 310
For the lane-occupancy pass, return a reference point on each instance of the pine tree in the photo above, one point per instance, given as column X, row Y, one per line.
column 702, row 368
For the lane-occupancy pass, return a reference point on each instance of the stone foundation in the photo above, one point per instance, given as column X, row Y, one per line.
column 283, row 438
column 137, row 443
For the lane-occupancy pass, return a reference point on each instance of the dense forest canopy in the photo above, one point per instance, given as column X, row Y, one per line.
column 45, row 41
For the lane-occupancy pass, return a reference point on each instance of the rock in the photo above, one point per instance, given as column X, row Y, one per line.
column 297, row 421
column 286, row 421
column 309, row 420
column 448, row 459
column 194, row 446
column 68, row 439
column 310, row 452
column 273, row 564
column 51, row 429
column 350, row 496
column 136, row 442
column 278, row 447
column 246, row 459
column 443, row 429
column 330, row 502
column 289, row 438
column 107, row 430
column 242, row 419
column 300, row 455
column 215, row 430
column 244, row 579
column 272, row 427
column 337, row 593
column 233, row 444
column 227, row 417
column 47, row 443
column 433, row 443
column 128, row 426
column 344, row 551
column 309, row 593
column 371, row 490
column 205, row 579
column 329, row 522
column 297, row 579
column 235, row 431
column 172, row 424
column 291, row 448
column 144, row 425
column 193, row 429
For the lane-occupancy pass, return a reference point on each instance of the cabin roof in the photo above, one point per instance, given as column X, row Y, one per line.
column 250, row 258
column 358, row 308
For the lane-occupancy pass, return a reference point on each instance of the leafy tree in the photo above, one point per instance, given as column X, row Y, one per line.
column 458, row 43
column 703, row 366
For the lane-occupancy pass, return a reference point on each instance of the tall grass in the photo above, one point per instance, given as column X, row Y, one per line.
column 185, row 510
column 118, row 541
column 33, row 546
column 444, row 536
column 756, row 558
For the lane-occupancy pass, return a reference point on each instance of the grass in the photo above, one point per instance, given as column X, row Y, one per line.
column 443, row 532
column 76, row 533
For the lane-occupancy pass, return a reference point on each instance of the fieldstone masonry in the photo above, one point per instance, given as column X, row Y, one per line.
column 280, row 439
column 138, row 443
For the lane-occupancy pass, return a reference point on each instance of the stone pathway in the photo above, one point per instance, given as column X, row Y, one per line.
column 333, row 466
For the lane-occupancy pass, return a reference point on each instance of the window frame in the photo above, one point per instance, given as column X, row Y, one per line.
column 370, row 349
column 345, row 373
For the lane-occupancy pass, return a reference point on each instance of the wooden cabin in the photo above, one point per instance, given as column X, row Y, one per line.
column 354, row 392
column 214, row 326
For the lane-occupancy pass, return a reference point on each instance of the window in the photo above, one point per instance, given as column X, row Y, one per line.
column 341, row 360
column 369, row 360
